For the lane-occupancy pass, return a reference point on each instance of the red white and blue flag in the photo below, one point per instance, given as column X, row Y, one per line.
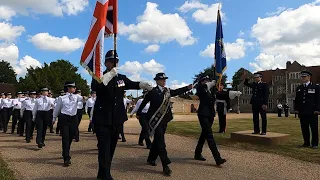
column 92, row 57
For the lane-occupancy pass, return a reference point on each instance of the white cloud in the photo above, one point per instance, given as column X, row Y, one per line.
column 134, row 67
column 204, row 13
column 6, row 13
column 9, row 53
column 279, row 11
column 9, row 32
column 47, row 42
column 175, row 84
column 152, row 48
column 235, row 50
column 241, row 33
column 24, row 63
column 155, row 27
column 290, row 36
column 53, row 7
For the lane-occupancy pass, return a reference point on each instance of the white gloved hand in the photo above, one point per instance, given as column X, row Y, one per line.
column 211, row 84
column 145, row 85
column 109, row 75
column 233, row 94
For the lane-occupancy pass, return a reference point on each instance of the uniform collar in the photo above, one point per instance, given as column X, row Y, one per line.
column 161, row 88
column 307, row 83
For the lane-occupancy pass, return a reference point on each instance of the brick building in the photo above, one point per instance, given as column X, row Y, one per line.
column 282, row 85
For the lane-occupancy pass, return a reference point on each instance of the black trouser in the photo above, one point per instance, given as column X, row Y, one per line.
column 121, row 133
column 279, row 112
column 90, row 128
column 15, row 119
column 21, row 125
column 58, row 125
column 68, row 127
column 256, row 110
column 222, row 121
column 308, row 122
column 144, row 134
column 27, row 117
column 41, row 123
column 6, row 117
column 49, row 120
column 1, row 119
column 206, row 134
column 286, row 113
column 79, row 118
column 158, row 147
column 107, row 141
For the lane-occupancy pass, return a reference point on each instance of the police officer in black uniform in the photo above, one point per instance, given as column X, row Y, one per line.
column 109, row 112
column 307, row 105
column 286, row 110
column 156, row 97
column 206, row 114
column 259, row 102
column 223, row 105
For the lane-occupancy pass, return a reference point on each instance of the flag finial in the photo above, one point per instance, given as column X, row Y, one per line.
column 219, row 6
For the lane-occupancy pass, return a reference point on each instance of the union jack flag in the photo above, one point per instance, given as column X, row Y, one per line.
column 93, row 55
column 111, row 24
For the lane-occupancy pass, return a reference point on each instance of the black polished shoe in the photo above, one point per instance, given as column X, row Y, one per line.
column 220, row 162
column 314, row 147
column 141, row 143
column 263, row 133
column 28, row 141
column 256, row 133
column 124, row 140
column 66, row 163
column 77, row 140
column 40, row 145
column 152, row 163
column 43, row 144
column 199, row 157
column 305, row 145
column 167, row 171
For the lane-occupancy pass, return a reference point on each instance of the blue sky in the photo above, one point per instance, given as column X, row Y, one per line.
column 178, row 31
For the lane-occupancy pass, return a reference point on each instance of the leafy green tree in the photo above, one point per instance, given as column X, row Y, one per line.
column 7, row 74
column 239, row 76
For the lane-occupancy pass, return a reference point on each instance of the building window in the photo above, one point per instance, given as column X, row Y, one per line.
column 246, row 90
column 271, row 91
column 294, row 87
column 278, row 78
column 281, row 89
column 294, row 75
column 270, row 103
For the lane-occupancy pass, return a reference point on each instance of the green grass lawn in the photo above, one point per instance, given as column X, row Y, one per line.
column 289, row 125
column 5, row 172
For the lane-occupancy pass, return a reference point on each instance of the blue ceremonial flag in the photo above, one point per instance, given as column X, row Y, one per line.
column 219, row 51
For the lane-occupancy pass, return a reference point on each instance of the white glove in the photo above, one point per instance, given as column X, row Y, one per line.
column 145, row 85
column 211, row 84
column 109, row 75
column 233, row 94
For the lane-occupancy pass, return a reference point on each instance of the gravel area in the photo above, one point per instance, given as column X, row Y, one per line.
column 129, row 163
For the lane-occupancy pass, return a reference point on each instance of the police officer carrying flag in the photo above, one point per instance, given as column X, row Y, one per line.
column 109, row 112
column 67, row 106
column 307, row 105
column 259, row 102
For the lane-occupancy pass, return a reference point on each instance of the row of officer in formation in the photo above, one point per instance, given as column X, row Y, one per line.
column 307, row 106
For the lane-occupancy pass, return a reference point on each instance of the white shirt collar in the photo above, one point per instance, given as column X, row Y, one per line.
column 161, row 88
column 307, row 83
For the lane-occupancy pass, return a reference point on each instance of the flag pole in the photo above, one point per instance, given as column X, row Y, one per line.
column 115, row 30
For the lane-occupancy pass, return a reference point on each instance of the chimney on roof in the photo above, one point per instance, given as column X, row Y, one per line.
column 288, row 64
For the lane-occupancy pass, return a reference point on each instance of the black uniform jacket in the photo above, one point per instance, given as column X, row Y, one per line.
column 260, row 92
column 223, row 95
column 307, row 99
column 155, row 97
column 109, row 99
column 207, row 99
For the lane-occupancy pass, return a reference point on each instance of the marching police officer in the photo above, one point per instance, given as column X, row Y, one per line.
column 144, row 134
column 109, row 113
column 3, row 96
column 307, row 105
column 79, row 114
column 16, row 103
column 66, row 107
column 62, row 93
column 6, row 110
column 26, row 114
column 259, row 102
column 286, row 110
column 223, row 106
column 49, row 123
column 89, row 105
column 41, row 114
column 206, row 114
column 158, row 115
